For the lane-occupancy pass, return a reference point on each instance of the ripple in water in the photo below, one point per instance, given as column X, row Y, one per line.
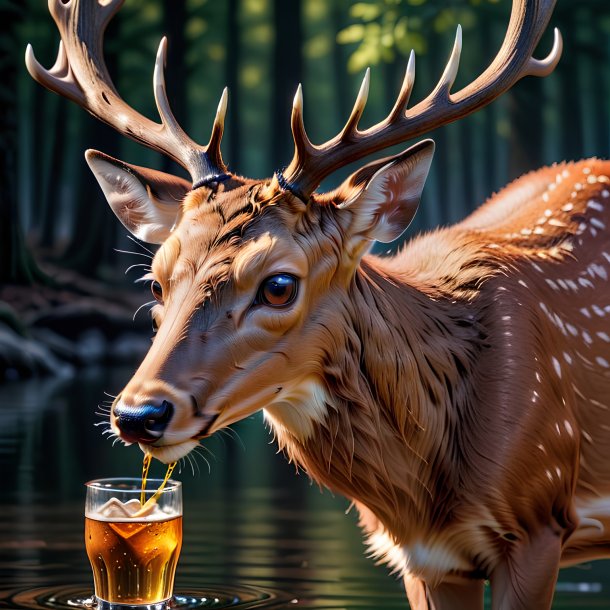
column 60, row 598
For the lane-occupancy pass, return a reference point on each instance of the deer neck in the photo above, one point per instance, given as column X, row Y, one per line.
column 397, row 381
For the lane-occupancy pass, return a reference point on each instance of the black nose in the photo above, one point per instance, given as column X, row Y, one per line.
column 144, row 423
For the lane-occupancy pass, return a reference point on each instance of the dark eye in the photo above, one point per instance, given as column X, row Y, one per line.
column 155, row 326
column 157, row 291
column 278, row 290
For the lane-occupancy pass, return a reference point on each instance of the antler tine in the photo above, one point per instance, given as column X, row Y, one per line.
column 352, row 123
column 405, row 90
column 513, row 61
column 160, row 92
column 213, row 147
column 59, row 78
column 80, row 74
column 543, row 67
column 303, row 148
column 443, row 88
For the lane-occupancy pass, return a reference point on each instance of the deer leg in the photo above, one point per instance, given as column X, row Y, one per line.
column 526, row 578
column 463, row 595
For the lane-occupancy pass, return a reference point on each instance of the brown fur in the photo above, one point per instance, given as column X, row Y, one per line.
column 462, row 384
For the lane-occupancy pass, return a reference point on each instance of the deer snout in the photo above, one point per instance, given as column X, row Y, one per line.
column 143, row 423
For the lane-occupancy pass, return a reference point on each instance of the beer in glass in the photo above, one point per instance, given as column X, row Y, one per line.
column 133, row 539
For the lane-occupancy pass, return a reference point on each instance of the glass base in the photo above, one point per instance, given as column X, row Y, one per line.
column 102, row 604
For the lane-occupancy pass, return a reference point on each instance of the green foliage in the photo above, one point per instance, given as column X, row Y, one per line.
column 382, row 29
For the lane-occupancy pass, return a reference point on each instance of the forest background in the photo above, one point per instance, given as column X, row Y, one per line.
column 65, row 298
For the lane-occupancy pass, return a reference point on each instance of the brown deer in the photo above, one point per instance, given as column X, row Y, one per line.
column 456, row 392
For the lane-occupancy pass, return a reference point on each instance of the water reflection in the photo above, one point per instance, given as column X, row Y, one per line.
column 256, row 535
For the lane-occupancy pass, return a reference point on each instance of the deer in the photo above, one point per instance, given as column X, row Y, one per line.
column 455, row 392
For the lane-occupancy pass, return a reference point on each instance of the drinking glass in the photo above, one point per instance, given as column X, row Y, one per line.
column 133, row 539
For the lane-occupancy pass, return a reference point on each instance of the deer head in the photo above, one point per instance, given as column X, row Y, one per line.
column 252, row 278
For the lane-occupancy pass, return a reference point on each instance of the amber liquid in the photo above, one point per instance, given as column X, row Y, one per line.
column 133, row 562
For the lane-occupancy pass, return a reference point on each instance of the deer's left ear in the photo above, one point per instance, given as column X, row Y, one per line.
column 382, row 197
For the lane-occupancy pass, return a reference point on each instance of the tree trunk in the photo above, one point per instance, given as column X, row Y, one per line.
column 233, row 61
column 17, row 265
column 176, row 75
column 287, row 74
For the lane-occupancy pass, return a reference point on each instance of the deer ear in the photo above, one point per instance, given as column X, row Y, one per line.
column 387, row 194
column 146, row 201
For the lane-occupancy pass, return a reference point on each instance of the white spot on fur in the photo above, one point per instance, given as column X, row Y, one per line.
column 568, row 207
column 596, row 222
column 556, row 366
column 603, row 336
column 598, row 311
column 595, row 205
column 567, row 357
column 585, row 283
column 585, row 312
column 602, row 362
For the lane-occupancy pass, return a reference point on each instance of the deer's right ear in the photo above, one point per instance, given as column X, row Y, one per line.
column 146, row 201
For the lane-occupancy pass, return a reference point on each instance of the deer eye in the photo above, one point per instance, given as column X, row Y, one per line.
column 278, row 290
column 157, row 291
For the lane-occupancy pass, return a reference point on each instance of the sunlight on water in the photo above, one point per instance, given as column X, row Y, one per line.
column 255, row 535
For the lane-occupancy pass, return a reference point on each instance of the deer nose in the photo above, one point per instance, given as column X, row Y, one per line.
column 144, row 423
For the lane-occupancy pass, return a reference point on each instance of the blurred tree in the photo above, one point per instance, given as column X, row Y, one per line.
column 17, row 265
column 250, row 43
column 287, row 74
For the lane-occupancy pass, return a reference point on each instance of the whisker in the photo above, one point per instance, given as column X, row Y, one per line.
column 138, row 243
column 145, row 265
column 141, row 306
column 204, row 448
column 110, row 395
column 234, row 434
column 195, row 452
column 191, row 459
column 134, row 253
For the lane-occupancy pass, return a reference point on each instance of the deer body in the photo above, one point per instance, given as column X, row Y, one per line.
column 467, row 405
column 456, row 392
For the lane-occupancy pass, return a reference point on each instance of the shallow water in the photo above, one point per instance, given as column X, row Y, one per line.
column 255, row 535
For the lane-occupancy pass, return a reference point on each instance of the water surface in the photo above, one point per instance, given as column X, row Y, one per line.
column 256, row 535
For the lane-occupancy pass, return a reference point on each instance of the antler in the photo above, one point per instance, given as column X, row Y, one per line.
column 311, row 164
column 80, row 74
